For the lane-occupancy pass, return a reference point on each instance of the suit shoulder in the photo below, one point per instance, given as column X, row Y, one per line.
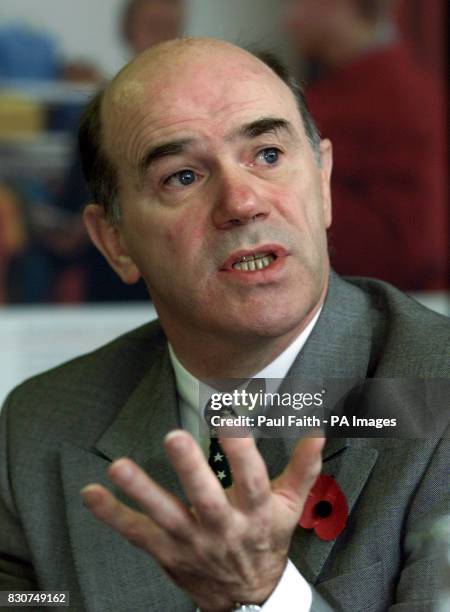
column 144, row 341
column 416, row 340
column 102, row 378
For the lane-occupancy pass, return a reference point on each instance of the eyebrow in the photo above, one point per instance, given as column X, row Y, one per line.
column 264, row 126
column 167, row 149
column 248, row 130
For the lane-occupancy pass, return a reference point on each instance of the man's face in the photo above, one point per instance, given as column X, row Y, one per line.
column 154, row 21
column 216, row 178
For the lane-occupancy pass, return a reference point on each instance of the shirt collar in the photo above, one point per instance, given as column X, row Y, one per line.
column 188, row 385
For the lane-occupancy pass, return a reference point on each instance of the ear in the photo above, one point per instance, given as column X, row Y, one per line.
column 108, row 239
column 326, row 154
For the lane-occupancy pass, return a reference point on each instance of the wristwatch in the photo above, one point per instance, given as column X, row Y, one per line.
column 243, row 608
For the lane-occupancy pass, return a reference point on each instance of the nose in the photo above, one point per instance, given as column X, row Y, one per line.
column 238, row 201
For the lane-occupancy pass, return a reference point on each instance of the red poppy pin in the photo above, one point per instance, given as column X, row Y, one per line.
column 326, row 509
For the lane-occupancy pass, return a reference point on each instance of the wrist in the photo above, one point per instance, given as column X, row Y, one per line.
column 252, row 600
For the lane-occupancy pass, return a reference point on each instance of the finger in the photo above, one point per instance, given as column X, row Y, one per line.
column 136, row 527
column 250, row 478
column 197, row 479
column 160, row 505
column 301, row 472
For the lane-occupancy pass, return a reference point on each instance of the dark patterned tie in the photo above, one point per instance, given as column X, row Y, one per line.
column 219, row 463
column 217, row 459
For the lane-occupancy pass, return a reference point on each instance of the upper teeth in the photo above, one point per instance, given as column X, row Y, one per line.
column 250, row 263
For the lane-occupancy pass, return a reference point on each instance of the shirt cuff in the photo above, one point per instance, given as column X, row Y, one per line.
column 292, row 593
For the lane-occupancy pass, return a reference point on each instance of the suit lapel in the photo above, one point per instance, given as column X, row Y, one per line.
column 351, row 467
column 137, row 432
column 341, row 344
column 337, row 354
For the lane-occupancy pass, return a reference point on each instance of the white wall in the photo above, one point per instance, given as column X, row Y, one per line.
column 83, row 28
column 241, row 21
column 36, row 338
column 87, row 29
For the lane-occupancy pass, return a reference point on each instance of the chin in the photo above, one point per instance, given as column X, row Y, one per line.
column 274, row 324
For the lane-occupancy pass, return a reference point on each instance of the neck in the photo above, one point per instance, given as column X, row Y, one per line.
column 233, row 358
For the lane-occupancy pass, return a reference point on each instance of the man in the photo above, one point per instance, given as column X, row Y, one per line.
column 385, row 117
column 211, row 184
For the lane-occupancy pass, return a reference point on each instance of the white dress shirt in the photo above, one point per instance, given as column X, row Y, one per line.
column 292, row 592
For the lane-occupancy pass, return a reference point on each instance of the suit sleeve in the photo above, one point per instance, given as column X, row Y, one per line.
column 16, row 570
column 419, row 584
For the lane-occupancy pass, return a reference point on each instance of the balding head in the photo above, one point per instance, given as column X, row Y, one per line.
column 157, row 67
column 150, row 72
column 160, row 67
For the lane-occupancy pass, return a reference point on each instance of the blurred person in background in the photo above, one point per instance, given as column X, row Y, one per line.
column 31, row 63
column 385, row 117
column 148, row 22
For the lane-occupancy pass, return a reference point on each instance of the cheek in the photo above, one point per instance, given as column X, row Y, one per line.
column 173, row 237
column 291, row 196
column 183, row 237
column 300, row 203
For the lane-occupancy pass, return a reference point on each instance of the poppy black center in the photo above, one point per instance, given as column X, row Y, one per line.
column 323, row 509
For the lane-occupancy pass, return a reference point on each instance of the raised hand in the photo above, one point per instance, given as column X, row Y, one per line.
column 230, row 545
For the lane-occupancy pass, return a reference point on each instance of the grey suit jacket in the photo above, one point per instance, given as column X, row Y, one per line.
column 61, row 430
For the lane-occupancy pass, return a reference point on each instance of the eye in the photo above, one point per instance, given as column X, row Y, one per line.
column 183, row 178
column 270, row 156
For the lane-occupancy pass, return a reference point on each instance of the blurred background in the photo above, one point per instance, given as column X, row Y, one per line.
column 375, row 74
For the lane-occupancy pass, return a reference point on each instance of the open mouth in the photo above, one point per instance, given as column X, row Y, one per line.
column 254, row 262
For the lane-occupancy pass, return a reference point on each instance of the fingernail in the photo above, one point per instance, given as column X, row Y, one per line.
column 123, row 470
column 89, row 495
column 173, row 434
column 177, row 440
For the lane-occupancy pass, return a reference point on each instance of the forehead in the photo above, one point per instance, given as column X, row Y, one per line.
column 198, row 96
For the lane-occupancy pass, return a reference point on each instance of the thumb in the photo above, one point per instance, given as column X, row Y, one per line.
column 300, row 474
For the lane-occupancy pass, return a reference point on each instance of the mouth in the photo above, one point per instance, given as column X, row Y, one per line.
column 254, row 261
column 251, row 263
